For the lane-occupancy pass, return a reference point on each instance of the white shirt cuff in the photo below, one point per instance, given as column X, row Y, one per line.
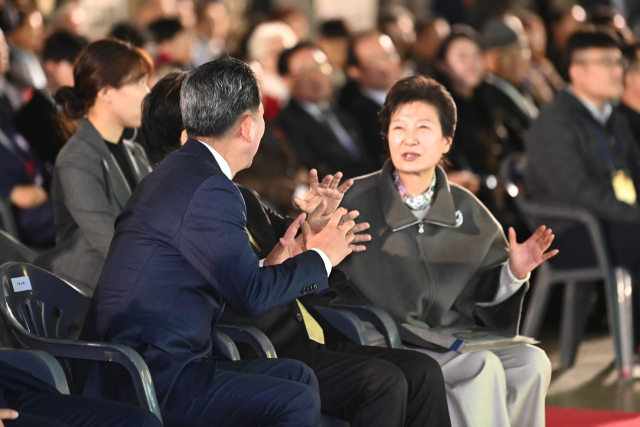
column 509, row 285
column 261, row 263
column 325, row 259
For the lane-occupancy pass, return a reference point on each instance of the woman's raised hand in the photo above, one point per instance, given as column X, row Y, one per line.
column 526, row 256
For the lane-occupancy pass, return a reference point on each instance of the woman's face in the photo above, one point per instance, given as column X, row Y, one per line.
column 464, row 63
column 126, row 102
column 416, row 143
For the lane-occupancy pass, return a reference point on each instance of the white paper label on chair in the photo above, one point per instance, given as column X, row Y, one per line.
column 21, row 284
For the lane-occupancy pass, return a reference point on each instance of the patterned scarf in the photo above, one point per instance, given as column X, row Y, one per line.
column 415, row 203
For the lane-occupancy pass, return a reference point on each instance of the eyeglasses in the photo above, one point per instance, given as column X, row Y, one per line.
column 607, row 62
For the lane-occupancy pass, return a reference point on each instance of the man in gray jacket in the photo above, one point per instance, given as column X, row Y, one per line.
column 582, row 153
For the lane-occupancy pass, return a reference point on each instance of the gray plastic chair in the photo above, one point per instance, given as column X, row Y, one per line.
column 8, row 218
column 346, row 322
column 578, row 282
column 39, row 364
column 12, row 250
column 42, row 308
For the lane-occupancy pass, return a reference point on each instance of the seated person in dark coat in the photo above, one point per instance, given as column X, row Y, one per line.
column 23, row 179
column 36, row 120
column 630, row 101
column 323, row 137
column 299, row 332
column 181, row 252
column 30, row 402
column 582, row 153
column 374, row 64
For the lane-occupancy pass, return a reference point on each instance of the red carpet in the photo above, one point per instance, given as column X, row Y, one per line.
column 567, row 417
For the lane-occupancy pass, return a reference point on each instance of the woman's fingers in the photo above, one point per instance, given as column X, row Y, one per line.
column 345, row 186
column 336, row 180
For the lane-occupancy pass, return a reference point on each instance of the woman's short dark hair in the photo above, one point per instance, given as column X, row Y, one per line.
column 161, row 117
column 103, row 63
column 419, row 88
column 215, row 95
column 458, row 31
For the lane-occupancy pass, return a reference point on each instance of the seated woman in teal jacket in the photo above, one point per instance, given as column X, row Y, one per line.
column 438, row 257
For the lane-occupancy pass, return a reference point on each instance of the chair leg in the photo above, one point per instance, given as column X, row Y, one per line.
column 538, row 303
column 574, row 319
column 619, row 294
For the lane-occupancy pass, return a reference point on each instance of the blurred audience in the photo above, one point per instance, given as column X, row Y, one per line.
column 508, row 60
column 264, row 46
column 543, row 79
column 398, row 23
column 96, row 170
column 174, row 43
column 70, row 16
column 429, row 37
column 295, row 18
column 212, row 27
column 149, row 11
column 374, row 64
column 563, row 25
column 582, row 153
column 333, row 39
column 130, row 33
column 323, row 137
column 26, row 41
column 630, row 99
column 37, row 119
column 23, row 178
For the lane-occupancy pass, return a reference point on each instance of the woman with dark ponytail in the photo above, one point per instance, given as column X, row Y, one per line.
column 97, row 170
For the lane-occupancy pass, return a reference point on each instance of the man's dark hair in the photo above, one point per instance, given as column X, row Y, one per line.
column 215, row 95
column 161, row 117
column 352, row 58
column 631, row 53
column 63, row 46
column 285, row 56
column 165, row 29
column 333, row 28
column 423, row 89
column 130, row 33
column 588, row 39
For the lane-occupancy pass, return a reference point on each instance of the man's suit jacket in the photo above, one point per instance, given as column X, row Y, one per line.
column 365, row 111
column 89, row 191
column 283, row 325
column 179, row 253
column 317, row 146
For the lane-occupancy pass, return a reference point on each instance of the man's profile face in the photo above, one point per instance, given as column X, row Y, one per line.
column 599, row 72
column 378, row 62
column 309, row 72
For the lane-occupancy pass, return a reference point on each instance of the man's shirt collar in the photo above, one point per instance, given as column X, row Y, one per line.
column 600, row 115
column 224, row 166
column 377, row 96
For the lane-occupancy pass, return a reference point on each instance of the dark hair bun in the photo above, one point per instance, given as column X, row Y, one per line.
column 71, row 102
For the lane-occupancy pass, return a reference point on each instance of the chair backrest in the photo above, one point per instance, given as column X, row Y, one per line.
column 38, row 302
column 11, row 250
column 8, row 218
column 512, row 171
column 39, row 364
column 347, row 323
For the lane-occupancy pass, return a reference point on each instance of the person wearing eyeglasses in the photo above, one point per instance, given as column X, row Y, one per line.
column 323, row 137
column 581, row 153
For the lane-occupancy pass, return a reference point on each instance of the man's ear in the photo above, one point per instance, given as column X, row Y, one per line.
column 245, row 126
column 183, row 137
column 288, row 80
column 49, row 67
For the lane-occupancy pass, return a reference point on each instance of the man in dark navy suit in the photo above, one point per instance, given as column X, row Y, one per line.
column 181, row 252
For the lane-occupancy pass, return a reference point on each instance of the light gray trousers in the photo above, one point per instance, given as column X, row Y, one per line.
column 497, row 388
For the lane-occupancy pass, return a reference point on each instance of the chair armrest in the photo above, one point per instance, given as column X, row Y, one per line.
column 38, row 363
column 379, row 318
column 347, row 323
column 228, row 348
column 103, row 352
column 252, row 336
